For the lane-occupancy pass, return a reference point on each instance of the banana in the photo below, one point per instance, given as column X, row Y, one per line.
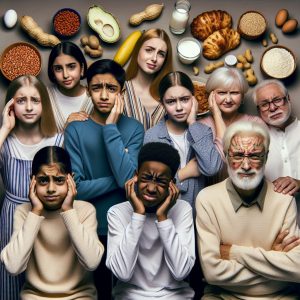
column 124, row 52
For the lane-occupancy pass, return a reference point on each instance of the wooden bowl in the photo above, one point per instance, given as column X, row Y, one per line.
column 20, row 58
column 249, row 28
column 278, row 62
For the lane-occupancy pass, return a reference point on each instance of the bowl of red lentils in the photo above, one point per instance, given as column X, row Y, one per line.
column 66, row 22
column 20, row 58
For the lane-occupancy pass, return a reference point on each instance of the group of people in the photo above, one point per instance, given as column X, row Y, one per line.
column 160, row 192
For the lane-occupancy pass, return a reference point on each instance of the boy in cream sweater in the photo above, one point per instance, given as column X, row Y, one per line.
column 55, row 238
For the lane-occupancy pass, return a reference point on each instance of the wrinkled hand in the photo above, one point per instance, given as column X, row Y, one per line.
column 286, row 185
column 190, row 170
column 137, row 204
column 71, row 194
column 77, row 116
column 37, row 205
column 163, row 209
column 225, row 251
column 285, row 245
column 116, row 111
column 193, row 113
column 8, row 116
column 212, row 104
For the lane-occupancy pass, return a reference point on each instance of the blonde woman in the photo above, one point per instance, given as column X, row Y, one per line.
column 151, row 60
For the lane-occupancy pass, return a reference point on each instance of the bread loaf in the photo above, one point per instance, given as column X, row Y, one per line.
column 206, row 23
column 220, row 42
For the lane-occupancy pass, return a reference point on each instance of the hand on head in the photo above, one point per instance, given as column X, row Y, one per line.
column 137, row 204
column 116, row 111
column 8, row 116
column 37, row 205
column 168, row 203
column 212, row 104
column 71, row 194
column 193, row 113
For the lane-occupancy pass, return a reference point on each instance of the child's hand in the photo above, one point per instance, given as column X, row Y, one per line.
column 193, row 113
column 72, row 192
column 116, row 111
column 137, row 204
column 8, row 116
column 163, row 209
column 37, row 205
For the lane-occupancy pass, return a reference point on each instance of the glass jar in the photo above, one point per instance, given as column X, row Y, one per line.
column 180, row 16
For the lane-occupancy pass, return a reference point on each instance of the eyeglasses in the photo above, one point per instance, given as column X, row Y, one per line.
column 253, row 158
column 277, row 102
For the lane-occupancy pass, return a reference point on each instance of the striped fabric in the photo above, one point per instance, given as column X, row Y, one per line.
column 16, row 178
column 134, row 108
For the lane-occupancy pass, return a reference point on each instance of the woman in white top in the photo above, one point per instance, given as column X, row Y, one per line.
column 69, row 98
column 151, row 60
column 28, row 125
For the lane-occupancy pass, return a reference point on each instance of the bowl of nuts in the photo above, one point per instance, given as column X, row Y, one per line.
column 66, row 22
column 278, row 62
column 20, row 59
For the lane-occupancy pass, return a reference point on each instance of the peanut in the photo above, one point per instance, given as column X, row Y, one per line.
column 212, row 66
column 273, row 38
column 151, row 12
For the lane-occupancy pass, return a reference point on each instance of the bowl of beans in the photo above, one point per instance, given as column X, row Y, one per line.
column 20, row 59
column 66, row 22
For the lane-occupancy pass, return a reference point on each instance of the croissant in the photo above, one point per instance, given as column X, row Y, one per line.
column 220, row 42
column 206, row 23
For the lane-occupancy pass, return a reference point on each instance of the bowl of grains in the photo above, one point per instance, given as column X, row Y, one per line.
column 201, row 96
column 278, row 62
column 66, row 22
column 20, row 59
column 252, row 25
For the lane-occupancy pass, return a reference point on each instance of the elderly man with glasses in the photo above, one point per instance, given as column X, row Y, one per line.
column 283, row 165
column 248, row 237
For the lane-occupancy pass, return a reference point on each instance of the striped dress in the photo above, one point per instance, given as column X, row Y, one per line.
column 134, row 108
column 15, row 174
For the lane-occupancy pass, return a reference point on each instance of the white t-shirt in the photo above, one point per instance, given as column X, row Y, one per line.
column 67, row 104
column 181, row 144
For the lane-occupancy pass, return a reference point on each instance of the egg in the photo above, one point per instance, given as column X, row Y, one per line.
column 281, row 17
column 10, row 18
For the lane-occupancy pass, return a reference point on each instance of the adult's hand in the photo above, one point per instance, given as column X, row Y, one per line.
column 286, row 185
column 285, row 245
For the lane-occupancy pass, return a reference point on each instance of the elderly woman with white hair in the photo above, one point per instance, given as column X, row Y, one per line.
column 227, row 88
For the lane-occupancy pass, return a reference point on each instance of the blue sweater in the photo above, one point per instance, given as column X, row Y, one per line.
column 201, row 146
column 103, row 158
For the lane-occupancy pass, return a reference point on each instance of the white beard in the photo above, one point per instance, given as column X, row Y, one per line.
column 282, row 120
column 246, row 183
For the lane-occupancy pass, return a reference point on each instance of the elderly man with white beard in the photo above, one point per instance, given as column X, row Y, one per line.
column 248, row 237
column 274, row 106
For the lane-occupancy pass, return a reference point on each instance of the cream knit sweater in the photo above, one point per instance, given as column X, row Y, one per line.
column 253, row 271
column 57, row 250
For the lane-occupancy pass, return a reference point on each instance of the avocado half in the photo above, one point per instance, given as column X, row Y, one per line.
column 104, row 23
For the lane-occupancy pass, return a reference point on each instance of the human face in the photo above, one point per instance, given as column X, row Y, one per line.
column 275, row 116
column 152, row 55
column 103, row 89
column 28, row 105
column 153, row 183
column 67, row 71
column 51, row 186
column 229, row 99
column 246, row 159
column 178, row 102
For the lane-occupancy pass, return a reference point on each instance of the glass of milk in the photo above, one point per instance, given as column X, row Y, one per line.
column 188, row 50
column 180, row 16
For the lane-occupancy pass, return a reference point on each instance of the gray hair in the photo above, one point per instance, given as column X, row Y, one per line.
column 265, row 83
column 224, row 78
column 245, row 127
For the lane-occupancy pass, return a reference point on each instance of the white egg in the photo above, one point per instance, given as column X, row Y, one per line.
column 10, row 18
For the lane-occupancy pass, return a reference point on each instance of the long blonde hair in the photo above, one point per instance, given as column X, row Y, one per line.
column 47, row 121
column 167, row 67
